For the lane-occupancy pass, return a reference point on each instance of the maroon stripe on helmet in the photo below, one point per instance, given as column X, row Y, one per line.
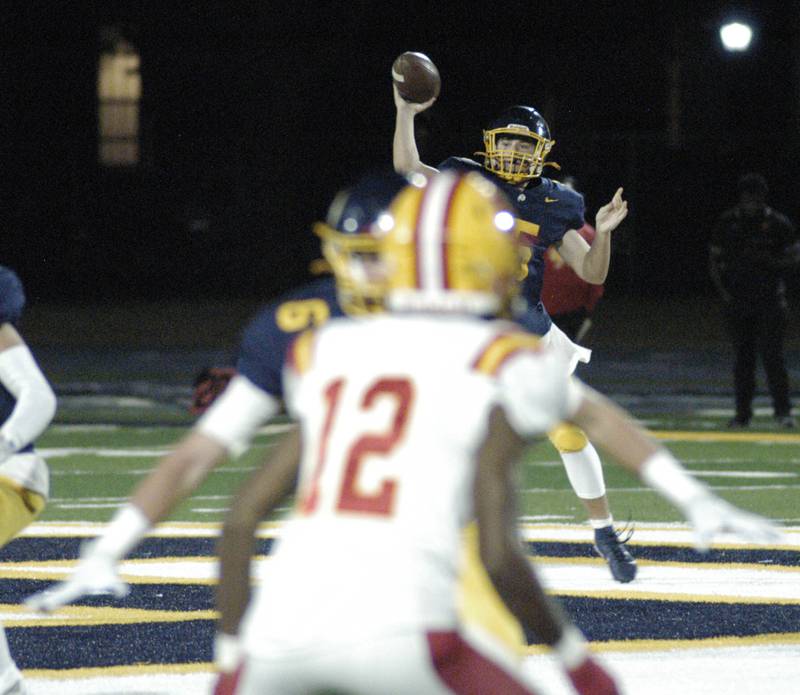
column 446, row 234
column 418, row 273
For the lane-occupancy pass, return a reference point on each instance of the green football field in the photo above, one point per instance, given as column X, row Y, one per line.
column 95, row 467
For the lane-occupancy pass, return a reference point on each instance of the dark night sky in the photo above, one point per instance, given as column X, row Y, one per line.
column 254, row 114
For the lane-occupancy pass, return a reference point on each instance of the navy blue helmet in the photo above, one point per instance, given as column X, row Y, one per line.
column 516, row 144
column 350, row 235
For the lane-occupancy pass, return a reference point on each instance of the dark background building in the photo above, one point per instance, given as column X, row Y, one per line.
column 250, row 115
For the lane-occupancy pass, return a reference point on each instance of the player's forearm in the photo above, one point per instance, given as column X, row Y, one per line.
column 519, row 587
column 405, row 155
column 611, row 430
column 597, row 259
column 177, row 476
column 233, row 590
column 256, row 498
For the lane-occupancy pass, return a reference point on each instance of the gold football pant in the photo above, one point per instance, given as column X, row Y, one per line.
column 18, row 508
column 480, row 606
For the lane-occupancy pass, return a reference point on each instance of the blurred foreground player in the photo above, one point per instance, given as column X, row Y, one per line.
column 411, row 424
column 27, row 405
column 252, row 398
column 548, row 214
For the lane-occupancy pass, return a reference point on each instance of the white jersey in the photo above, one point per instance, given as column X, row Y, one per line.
column 393, row 410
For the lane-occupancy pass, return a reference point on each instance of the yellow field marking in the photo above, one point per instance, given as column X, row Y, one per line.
column 675, row 597
column 79, row 529
column 687, row 436
column 87, row 615
column 110, row 671
column 655, row 645
column 54, row 570
column 722, row 566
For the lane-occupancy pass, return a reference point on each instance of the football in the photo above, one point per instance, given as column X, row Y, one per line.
column 416, row 77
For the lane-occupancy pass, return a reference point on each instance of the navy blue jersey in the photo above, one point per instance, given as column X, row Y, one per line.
column 545, row 211
column 12, row 296
column 12, row 302
column 271, row 332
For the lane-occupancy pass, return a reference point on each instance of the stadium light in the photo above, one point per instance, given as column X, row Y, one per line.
column 736, row 36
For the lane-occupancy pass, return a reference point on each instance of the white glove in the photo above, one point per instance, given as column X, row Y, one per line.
column 710, row 515
column 95, row 575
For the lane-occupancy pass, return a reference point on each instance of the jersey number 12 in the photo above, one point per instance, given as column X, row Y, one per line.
column 351, row 497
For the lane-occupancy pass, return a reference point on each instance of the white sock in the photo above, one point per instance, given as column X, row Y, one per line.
column 602, row 523
column 585, row 472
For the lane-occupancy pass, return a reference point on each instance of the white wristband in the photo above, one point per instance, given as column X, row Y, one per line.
column 227, row 652
column 571, row 649
column 666, row 476
column 123, row 533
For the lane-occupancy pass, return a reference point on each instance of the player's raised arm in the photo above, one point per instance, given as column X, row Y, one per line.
column 511, row 573
column 415, row 83
column 405, row 155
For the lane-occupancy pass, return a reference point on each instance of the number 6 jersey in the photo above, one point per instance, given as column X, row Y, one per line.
column 393, row 410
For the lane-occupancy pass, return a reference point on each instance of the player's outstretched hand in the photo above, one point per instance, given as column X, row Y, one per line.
column 612, row 213
column 402, row 104
column 95, row 575
column 590, row 678
column 710, row 515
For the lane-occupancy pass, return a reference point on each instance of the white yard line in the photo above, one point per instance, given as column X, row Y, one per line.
column 708, row 582
column 746, row 670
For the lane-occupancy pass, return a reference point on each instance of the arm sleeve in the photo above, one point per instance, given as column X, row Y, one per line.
column 36, row 402
column 537, row 392
column 234, row 418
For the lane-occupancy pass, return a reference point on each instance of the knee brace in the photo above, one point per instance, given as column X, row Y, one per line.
column 568, row 438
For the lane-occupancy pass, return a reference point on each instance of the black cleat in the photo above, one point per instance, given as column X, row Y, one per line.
column 612, row 549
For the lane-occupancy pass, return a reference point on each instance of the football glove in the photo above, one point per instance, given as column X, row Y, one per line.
column 95, row 575
column 590, row 678
column 710, row 515
column 208, row 385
